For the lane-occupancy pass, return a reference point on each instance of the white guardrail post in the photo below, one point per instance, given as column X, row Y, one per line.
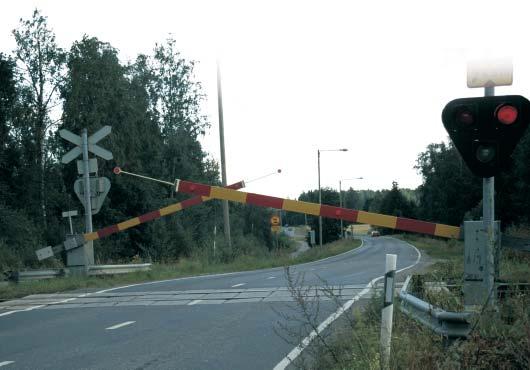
column 388, row 310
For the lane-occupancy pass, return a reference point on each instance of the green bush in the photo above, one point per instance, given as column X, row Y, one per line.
column 19, row 238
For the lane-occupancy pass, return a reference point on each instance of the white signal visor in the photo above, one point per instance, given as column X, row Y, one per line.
column 489, row 72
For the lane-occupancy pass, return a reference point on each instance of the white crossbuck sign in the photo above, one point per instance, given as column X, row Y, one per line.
column 92, row 147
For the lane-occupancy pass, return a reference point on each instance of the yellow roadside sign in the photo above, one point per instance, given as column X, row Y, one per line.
column 275, row 220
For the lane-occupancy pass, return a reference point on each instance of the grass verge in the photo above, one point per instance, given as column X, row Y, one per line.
column 182, row 268
column 499, row 340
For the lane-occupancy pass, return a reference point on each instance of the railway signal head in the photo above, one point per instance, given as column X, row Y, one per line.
column 486, row 130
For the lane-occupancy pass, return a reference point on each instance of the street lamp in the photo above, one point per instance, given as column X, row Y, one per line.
column 340, row 201
column 320, row 191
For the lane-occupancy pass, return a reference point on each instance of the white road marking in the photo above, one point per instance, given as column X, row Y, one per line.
column 291, row 356
column 271, row 277
column 6, row 363
column 194, row 302
column 235, row 286
column 117, row 326
column 42, row 305
column 352, row 251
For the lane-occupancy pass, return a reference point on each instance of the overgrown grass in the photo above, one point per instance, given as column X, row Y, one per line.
column 500, row 339
column 197, row 265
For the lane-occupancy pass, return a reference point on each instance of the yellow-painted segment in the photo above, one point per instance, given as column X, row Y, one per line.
column 228, row 194
column 91, row 236
column 302, row 207
column 205, row 199
column 129, row 223
column 447, row 231
column 170, row 209
column 377, row 219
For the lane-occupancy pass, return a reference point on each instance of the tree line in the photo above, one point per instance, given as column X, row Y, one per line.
column 449, row 193
column 154, row 107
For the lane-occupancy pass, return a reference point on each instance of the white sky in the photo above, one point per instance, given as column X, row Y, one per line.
column 370, row 76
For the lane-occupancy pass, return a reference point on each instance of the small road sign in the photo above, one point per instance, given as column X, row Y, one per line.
column 92, row 147
column 99, row 188
column 92, row 166
column 69, row 213
column 275, row 220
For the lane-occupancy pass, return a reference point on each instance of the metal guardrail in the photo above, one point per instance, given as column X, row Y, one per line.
column 95, row 270
column 117, row 269
column 452, row 325
column 20, row 276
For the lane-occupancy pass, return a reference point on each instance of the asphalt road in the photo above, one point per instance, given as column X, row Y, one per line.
column 224, row 321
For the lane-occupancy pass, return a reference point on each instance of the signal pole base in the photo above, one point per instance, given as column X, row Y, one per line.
column 81, row 257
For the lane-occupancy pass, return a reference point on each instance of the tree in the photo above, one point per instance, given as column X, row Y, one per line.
column 449, row 189
column 394, row 203
column 7, row 101
column 40, row 63
column 99, row 91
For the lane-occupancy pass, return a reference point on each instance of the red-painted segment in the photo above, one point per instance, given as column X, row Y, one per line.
column 191, row 202
column 194, row 188
column 415, row 226
column 264, row 201
column 107, row 231
column 149, row 216
column 339, row 213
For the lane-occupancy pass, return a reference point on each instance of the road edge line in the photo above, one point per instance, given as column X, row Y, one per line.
column 296, row 351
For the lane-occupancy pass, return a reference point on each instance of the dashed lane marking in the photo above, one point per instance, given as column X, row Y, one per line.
column 117, row 326
column 235, row 286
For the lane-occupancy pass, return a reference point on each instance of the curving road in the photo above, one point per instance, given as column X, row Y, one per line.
column 223, row 321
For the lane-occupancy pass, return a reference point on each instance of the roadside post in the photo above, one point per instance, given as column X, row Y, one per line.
column 387, row 313
column 275, row 228
column 91, row 190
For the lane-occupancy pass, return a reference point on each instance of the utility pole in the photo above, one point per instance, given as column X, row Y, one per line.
column 319, row 202
column 226, row 213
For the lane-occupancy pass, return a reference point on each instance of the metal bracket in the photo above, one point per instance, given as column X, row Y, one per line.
column 75, row 241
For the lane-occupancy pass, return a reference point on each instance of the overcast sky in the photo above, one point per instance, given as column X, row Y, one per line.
column 370, row 76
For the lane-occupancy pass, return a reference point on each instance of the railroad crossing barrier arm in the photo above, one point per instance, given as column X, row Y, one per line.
column 79, row 240
column 452, row 325
column 316, row 209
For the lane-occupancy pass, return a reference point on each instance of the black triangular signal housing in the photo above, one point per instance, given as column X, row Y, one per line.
column 486, row 130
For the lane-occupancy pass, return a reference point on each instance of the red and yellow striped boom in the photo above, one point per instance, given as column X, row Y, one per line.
column 109, row 230
column 375, row 219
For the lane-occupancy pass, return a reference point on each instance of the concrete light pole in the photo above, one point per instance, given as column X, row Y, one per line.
column 340, row 202
column 226, row 213
column 320, row 191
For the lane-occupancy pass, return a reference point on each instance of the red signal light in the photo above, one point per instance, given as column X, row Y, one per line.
column 507, row 114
